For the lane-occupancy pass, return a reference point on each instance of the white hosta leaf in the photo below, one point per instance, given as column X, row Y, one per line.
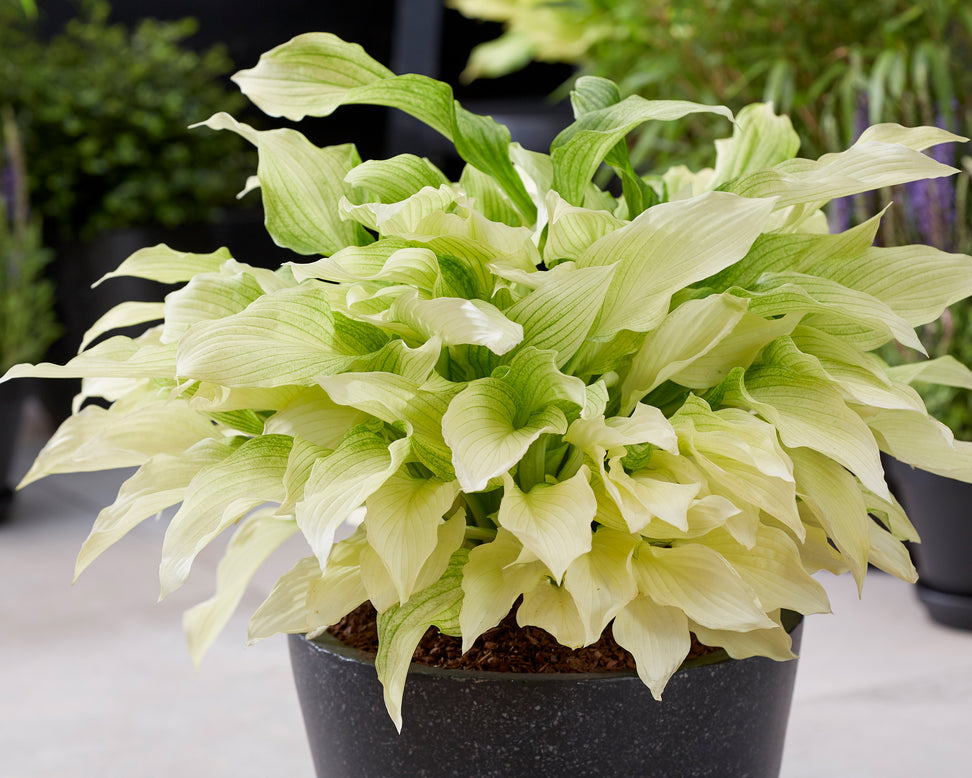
column 300, row 462
column 657, row 637
column 351, row 263
column 218, row 496
column 557, row 317
column 645, row 495
column 96, row 438
column 831, row 302
column 395, row 179
column 492, row 580
column 257, row 538
column 760, row 139
column 289, row 337
column 772, row 567
column 772, row 643
column 809, row 412
column 667, row 248
column 923, row 442
column 158, row 484
column 301, row 186
column 403, row 517
column 737, row 349
column 124, row 314
column 601, row 582
column 401, row 627
column 572, row 229
column 689, row 332
column 947, row 371
column 206, row 297
column 402, row 219
column 167, row 265
column 917, row 138
column 865, row 166
column 116, row 357
column 741, row 458
column 456, row 321
column 645, row 424
column 890, row 554
column 835, row 500
column 285, row 609
column 340, row 483
column 552, row 521
column 579, row 150
column 552, row 608
column 700, row 582
column 340, row 588
column 313, row 416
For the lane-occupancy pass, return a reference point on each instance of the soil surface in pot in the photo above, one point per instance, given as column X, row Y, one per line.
column 506, row 647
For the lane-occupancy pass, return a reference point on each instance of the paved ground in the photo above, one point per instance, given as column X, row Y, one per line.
column 95, row 680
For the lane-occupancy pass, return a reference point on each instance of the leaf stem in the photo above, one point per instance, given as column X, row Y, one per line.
column 477, row 509
column 533, row 466
column 480, row 533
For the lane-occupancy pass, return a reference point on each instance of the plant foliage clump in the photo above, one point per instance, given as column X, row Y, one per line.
column 659, row 410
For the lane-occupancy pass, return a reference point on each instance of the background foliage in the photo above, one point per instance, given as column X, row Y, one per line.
column 105, row 111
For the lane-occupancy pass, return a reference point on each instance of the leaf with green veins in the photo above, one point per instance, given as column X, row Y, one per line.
column 456, row 321
column 314, row 417
column 301, row 186
column 491, row 582
column 116, row 357
column 491, row 423
column 773, row 569
column 552, row 521
column 208, row 296
column 829, row 303
column 401, row 627
column 701, row 583
column 300, row 463
column 285, row 609
column 489, row 197
column 552, row 608
column 404, row 514
column 96, row 438
column 919, row 440
column 665, row 250
column 834, row 498
column 167, row 265
column 579, row 150
column 658, row 638
column 334, row 73
column 809, row 411
column 946, row 371
column 126, row 314
column 218, row 496
column 686, row 334
column 737, row 349
column 571, row 229
column 350, row 264
column 340, row 483
column 601, row 582
column 289, row 337
column 773, row 643
column 396, row 179
column 158, row 484
column 557, row 317
column 760, row 139
column 254, row 541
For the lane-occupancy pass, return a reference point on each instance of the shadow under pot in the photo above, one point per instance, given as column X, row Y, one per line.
column 719, row 717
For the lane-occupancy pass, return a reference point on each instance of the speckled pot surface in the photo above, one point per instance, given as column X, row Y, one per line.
column 725, row 719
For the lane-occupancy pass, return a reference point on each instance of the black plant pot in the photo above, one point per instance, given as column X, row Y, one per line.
column 725, row 719
column 11, row 405
column 941, row 510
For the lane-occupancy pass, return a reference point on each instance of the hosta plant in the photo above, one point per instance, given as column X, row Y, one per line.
column 657, row 409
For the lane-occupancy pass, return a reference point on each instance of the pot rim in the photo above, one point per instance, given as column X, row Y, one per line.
column 325, row 642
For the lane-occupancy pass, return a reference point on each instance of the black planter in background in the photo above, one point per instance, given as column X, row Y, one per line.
column 725, row 720
column 941, row 510
column 11, row 405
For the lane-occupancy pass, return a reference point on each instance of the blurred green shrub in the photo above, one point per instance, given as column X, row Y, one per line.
column 27, row 324
column 106, row 110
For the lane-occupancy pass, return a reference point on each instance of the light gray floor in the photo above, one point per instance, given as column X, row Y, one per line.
column 96, row 682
